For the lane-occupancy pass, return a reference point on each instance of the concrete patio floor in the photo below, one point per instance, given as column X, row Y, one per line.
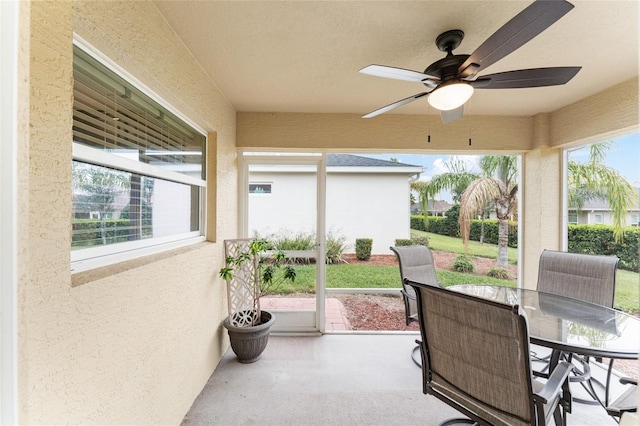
column 333, row 379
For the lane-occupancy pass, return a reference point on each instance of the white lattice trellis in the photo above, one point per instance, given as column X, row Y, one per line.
column 243, row 290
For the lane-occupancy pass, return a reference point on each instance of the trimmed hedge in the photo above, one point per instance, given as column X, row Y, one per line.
column 88, row 232
column 588, row 239
column 598, row 239
column 363, row 248
column 439, row 225
column 415, row 241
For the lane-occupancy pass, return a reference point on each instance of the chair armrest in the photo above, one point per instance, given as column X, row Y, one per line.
column 407, row 295
column 555, row 382
column 628, row 380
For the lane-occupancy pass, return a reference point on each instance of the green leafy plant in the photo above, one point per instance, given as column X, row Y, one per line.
column 463, row 264
column 252, row 269
column 272, row 269
column 335, row 247
column 500, row 273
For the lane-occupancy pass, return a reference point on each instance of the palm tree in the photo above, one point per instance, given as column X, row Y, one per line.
column 498, row 186
column 594, row 179
column 455, row 180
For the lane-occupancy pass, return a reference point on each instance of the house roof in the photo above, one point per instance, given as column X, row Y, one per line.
column 349, row 160
column 603, row 204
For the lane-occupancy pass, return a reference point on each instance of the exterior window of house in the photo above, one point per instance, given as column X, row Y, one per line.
column 573, row 218
column 259, row 188
column 635, row 219
column 598, row 218
column 138, row 170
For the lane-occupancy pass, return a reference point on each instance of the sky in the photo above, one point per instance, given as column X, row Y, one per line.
column 624, row 156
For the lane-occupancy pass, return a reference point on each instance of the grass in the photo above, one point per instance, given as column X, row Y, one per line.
column 454, row 245
column 364, row 276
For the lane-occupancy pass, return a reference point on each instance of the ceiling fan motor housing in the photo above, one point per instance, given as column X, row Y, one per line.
column 446, row 68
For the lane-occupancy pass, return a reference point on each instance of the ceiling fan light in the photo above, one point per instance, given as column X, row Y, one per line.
column 450, row 95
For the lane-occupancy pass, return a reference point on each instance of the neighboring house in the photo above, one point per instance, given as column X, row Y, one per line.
column 598, row 212
column 434, row 208
column 366, row 198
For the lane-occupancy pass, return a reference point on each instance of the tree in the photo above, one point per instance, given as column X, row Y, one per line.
column 594, row 179
column 497, row 185
column 455, row 180
column 95, row 189
column 417, row 187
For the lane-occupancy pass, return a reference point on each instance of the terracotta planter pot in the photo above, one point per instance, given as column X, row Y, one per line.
column 248, row 343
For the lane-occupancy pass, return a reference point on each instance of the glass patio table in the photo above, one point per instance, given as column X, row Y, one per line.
column 569, row 325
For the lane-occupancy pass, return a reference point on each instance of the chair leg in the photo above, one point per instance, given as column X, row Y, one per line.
column 558, row 417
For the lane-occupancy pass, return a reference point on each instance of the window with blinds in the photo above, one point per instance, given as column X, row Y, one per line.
column 138, row 170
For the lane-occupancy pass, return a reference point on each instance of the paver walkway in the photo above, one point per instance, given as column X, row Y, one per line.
column 335, row 313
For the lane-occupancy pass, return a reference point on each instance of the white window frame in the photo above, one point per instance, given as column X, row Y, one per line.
column 94, row 257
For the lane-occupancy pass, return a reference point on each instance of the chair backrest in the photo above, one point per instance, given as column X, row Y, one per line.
column 416, row 264
column 475, row 356
column 587, row 277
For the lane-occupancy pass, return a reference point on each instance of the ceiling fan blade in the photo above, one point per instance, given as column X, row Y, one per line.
column 395, row 105
column 522, row 28
column 452, row 114
column 535, row 77
column 396, row 73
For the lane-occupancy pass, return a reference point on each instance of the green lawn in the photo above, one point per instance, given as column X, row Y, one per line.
column 455, row 245
column 365, row 276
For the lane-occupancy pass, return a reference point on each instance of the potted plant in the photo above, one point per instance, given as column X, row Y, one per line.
column 252, row 269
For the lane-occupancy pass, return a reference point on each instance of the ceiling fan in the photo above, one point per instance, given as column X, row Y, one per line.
column 453, row 78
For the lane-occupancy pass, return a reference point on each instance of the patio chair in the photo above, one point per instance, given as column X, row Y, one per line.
column 591, row 278
column 475, row 359
column 627, row 401
column 416, row 264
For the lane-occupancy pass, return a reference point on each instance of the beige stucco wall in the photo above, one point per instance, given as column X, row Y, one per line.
column 390, row 132
column 137, row 346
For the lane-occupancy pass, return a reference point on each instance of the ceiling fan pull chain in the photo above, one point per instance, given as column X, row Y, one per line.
column 469, row 115
column 429, row 124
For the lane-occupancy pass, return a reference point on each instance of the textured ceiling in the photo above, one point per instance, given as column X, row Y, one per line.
column 304, row 56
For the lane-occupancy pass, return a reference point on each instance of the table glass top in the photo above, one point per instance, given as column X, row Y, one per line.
column 569, row 324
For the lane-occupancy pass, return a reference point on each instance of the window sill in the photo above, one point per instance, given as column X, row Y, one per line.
column 106, row 266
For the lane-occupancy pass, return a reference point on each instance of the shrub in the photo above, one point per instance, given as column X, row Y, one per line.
column 363, row 248
column 417, row 222
column 598, row 239
column 403, row 242
column 463, row 264
column 300, row 241
column 499, row 273
column 491, row 232
column 420, row 241
column 335, row 247
column 450, row 222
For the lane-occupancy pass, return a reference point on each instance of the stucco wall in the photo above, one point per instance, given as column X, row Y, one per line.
column 359, row 205
column 137, row 346
column 386, row 132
